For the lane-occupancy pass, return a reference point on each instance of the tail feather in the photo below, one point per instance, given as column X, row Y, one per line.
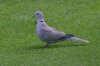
column 77, row 39
column 69, row 35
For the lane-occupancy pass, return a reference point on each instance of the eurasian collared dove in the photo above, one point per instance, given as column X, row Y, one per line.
column 51, row 35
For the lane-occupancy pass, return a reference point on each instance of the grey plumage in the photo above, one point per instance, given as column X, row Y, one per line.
column 51, row 35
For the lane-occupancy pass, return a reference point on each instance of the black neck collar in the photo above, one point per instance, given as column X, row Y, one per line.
column 41, row 21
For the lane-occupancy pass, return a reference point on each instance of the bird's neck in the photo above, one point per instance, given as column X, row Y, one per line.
column 41, row 22
column 40, row 19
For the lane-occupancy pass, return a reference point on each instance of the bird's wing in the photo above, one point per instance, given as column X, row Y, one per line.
column 51, row 34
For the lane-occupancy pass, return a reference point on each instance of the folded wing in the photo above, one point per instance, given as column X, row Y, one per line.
column 49, row 34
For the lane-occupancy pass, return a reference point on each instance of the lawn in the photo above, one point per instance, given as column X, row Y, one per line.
column 20, row 46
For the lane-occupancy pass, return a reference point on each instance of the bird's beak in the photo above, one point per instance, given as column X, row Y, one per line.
column 33, row 17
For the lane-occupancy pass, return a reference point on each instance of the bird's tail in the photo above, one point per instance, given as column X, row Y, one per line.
column 77, row 39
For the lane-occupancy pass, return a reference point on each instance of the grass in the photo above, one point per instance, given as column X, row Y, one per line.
column 19, row 45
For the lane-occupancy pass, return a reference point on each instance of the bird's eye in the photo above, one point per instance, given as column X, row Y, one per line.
column 37, row 14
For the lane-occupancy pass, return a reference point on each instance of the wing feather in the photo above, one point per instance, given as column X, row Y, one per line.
column 50, row 34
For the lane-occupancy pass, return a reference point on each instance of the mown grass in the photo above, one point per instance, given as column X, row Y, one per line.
column 19, row 45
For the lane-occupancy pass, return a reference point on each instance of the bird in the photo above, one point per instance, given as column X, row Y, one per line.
column 49, row 34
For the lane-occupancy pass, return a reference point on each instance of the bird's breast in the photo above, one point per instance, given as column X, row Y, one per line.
column 38, row 29
column 39, row 32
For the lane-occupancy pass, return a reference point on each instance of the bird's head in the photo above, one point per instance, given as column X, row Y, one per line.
column 38, row 14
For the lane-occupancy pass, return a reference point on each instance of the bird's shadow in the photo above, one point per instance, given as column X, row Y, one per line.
column 53, row 46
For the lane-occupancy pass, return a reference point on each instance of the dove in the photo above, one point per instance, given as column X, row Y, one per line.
column 51, row 35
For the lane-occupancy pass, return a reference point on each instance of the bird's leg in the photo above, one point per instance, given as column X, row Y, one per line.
column 47, row 44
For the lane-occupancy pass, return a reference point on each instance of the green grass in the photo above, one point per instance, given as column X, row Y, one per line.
column 19, row 45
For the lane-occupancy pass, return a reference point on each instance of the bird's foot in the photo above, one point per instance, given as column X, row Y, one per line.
column 47, row 45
